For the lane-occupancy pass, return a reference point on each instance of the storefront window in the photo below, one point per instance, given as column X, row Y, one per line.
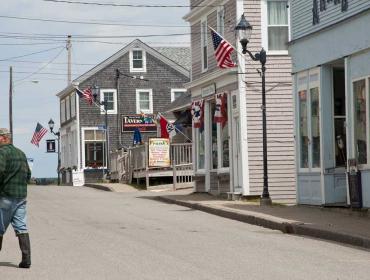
column 214, row 162
column 225, row 140
column 360, row 121
column 303, row 128
column 315, row 126
column 94, row 148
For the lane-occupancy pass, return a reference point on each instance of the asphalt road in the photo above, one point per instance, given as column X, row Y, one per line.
column 83, row 233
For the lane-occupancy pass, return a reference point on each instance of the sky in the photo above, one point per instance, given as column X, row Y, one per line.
column 35, row 48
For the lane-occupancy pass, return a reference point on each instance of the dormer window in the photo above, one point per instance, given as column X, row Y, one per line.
column 137, row 60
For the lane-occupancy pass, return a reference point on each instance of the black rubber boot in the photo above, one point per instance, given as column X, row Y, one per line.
column 25, row 245
column 1, row 242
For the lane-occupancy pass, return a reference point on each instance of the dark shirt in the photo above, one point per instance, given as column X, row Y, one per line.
column 14, row 172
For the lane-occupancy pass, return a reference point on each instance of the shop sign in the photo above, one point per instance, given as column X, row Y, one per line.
column 208, row 90
column 145, row 123
column 50, row 146
column 316, row 9
column 159, row 152
column 78, row 178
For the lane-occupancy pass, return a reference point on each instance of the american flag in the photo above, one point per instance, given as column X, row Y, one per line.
column 86, row 94
column 223, row 49
column 38, row 134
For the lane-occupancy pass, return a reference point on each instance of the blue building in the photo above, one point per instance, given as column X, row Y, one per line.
column 330, row 50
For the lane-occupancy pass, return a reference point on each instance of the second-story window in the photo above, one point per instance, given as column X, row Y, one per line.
column 176, row 93
column 221, row 20
column 204, row 44
column 137, row 60
column 109, row 96
column 277, row 14
column 144, row 101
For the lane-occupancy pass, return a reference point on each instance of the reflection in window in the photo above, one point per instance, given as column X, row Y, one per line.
column 315, row 127
column 360, row 121
column 214, row 162
column 201, row 149
column 303, row 128
column 94, row 148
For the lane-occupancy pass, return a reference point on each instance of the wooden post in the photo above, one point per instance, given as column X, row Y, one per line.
column 146, row 165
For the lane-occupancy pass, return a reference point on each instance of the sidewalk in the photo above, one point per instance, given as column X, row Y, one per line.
column 335, row 224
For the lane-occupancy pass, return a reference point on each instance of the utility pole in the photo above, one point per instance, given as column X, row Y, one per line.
column 69, row 48
column 11, row 104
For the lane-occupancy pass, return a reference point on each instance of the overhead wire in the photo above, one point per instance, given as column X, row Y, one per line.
column 29, row 54
column 128, row 5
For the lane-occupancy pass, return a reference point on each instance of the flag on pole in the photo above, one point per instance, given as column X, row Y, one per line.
column 163, row 124
column 221, row 109
column 40, row 131
column 171, row 129
column 85, row 94
column 197, row 111
column 223, row 50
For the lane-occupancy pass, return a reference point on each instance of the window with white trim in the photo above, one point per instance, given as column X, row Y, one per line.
column 275, row 26
column 109, row 96
column 68, row 108
column 204, row 44
column 62, row 110
column 94, row 146
column 176, row 93
column 73, row 105
column 200, row 141
column 144, row 101
column 137, row 60
column 308, row 97
column 221, row 20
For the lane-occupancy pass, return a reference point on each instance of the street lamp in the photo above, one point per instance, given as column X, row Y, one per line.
column 51, row 126
column 103, row 103
column 244, row 30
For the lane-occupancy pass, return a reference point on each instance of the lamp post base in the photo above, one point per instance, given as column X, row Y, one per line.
column 265, row 201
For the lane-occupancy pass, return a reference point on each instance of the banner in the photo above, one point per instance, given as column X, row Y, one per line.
column 145, row 123
column 159, row 152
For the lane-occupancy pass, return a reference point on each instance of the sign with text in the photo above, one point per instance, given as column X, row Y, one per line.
column 159, row 152
column 145, row 123
column 50, row 146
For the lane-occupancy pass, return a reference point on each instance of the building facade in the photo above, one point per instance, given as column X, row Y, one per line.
column 330, row 50
column 136, row 83
column 228, row 155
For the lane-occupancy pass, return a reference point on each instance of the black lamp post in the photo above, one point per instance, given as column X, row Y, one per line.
column 51, row 126
column 103, row 103
column 244, row 30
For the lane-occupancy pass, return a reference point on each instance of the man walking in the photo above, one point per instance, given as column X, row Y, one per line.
column 14, row 175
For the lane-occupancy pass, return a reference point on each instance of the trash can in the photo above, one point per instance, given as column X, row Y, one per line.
column 355, row 189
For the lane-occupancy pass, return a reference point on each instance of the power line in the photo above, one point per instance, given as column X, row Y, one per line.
column 128, row 5
column 5, row 59
column 91, row 22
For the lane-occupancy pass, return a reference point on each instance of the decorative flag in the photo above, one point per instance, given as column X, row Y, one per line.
column 86, row 94
column 163, row 124
column 38, row 134
column 223, row 50
column 171, row 129
column 221, row 109
column 197, row 111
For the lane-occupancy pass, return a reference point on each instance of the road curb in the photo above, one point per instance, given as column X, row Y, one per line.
column 283, row 226
column 99, row 187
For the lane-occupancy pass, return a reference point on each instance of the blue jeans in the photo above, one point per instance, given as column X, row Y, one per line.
column 13, row 210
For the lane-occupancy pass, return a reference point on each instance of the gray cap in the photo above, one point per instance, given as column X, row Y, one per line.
column 4, row 131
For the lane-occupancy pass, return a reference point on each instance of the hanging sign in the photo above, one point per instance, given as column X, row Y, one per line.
column 159, row 152
column 50, row 146
column 145, row 123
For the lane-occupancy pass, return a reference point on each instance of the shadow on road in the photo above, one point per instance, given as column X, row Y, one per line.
column 8, row 264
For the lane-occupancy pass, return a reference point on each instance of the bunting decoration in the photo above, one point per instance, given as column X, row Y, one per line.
column 197, row 112
column 221, row 109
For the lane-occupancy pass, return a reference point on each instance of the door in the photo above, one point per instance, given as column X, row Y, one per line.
column 340, row 136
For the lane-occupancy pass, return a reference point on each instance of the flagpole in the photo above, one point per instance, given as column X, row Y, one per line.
column 175, row 127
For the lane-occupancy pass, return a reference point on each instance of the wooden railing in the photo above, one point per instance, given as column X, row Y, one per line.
column 135, row 160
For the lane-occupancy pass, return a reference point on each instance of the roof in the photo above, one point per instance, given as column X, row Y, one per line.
column 181, row 103
column 167, row 55
column 180, row 55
